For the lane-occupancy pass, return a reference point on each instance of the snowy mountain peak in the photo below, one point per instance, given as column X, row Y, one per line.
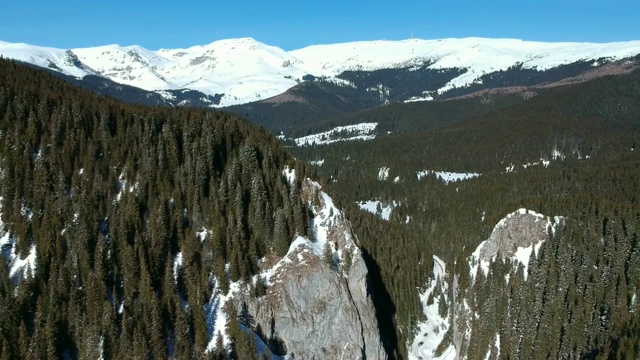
column 246, row 70
column 245, row 41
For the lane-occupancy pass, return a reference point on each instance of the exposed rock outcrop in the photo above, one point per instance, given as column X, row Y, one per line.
column 317, row 301
column 516, row 237
column 519, row 229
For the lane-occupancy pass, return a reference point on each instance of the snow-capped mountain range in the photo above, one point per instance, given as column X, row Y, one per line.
column 246, row 70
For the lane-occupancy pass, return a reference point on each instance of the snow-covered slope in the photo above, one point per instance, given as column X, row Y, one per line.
column 246, row 70
column 55, row 59
column 243, row 69
column 363, row 131
column 478, row 55
column 431, row 332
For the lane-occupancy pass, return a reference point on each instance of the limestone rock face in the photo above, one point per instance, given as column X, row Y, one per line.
column 520, row 229
column 317, row 302
column 517, row 238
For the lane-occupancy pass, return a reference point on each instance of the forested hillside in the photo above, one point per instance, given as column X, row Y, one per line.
column 122, row 224
column 115, row 218
column 569, row 152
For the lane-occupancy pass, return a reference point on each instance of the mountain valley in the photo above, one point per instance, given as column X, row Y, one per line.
column 419, row 199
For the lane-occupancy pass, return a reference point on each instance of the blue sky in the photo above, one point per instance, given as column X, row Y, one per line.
column 295, row 24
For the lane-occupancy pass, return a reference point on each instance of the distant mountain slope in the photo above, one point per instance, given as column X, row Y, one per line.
column 133, row 95
column 245, row 70
column 596, row 118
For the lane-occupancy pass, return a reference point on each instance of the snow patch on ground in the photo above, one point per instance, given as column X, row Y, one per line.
column 167, row 95
column 523, row 255
column 123, row 189
column 290, row 175
column 25, row 211
column 544, row 161
column 317, row 162
column 383, row 173
column 496, row 345
column 177, row 265
column 376, row 207
column 340, row 82
column 215, row 316
column 202, row 234
column 431, row 332
column 446, row 176
column 324, row 219
column 418, row 99
column 362, row 131
column 476, row 262
column 19, row 267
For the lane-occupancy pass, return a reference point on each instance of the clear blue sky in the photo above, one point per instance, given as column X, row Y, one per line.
column 295, row 24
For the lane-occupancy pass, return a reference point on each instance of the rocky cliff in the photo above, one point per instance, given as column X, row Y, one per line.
column 447, row 329
column 514, row 238
column 317, row 303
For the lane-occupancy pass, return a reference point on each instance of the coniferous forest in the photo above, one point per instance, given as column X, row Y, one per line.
column 106, row 195
column 569, row 151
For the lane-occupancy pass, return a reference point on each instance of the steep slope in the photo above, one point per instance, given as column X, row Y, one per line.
column 299, row 309
column 104, row 255
column 431, row 333
column 132, row 95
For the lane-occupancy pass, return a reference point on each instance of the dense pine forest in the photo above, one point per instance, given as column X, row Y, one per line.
column 105, row 197
column 108, row 195
column 569, row 151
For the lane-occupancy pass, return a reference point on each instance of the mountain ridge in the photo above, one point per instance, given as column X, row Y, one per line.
column 228, row 193
column 246, row 70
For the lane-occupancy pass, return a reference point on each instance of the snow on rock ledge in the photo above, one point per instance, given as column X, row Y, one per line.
column 515, row 237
